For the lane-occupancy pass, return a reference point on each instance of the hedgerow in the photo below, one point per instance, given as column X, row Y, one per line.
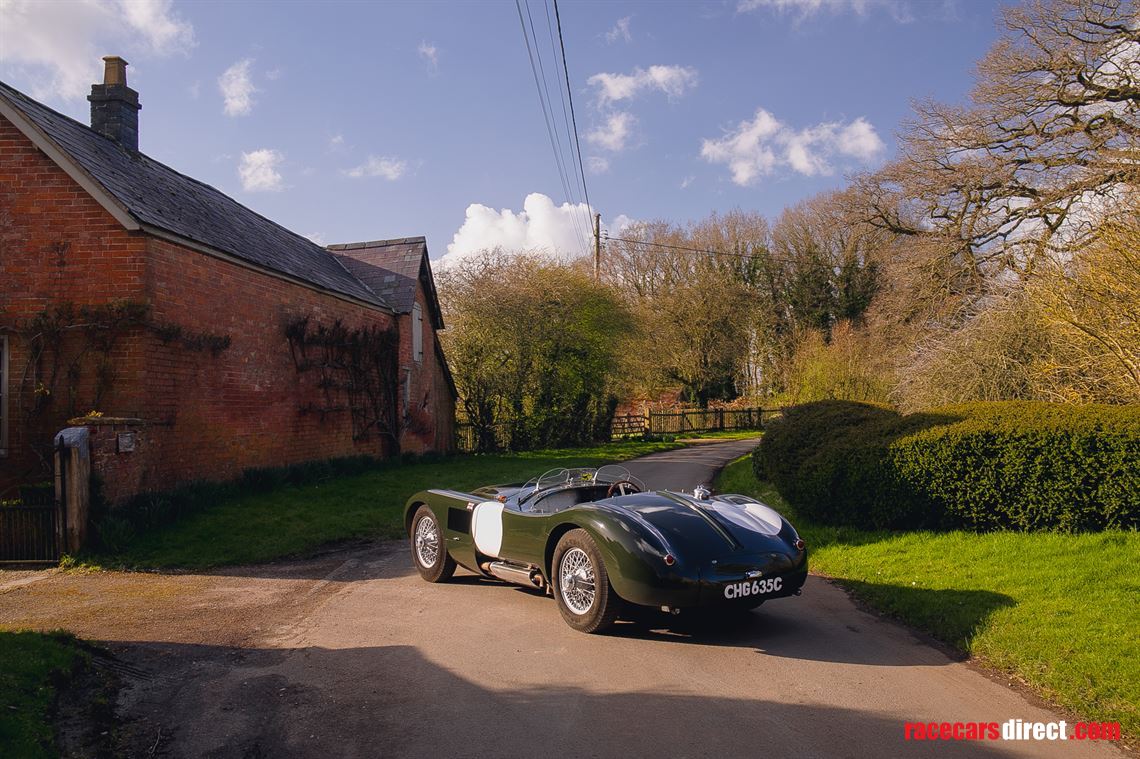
column 1002, row 465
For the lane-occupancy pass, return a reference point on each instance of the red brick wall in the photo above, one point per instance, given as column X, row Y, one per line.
column 57, row 245
column 431, row 405
column 241, row 408
column 208, row 416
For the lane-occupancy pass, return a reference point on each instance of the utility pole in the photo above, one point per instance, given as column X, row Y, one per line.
column 597, row 247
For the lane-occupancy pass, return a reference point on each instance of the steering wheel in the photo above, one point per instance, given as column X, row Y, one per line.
column 623, row 487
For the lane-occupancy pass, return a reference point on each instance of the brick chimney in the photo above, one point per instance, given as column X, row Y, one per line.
column 115, row 106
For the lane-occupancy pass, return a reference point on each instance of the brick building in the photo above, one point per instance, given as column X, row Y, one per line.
column 209, row 338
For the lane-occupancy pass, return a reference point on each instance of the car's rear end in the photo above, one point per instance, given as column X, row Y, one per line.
column 723, row 551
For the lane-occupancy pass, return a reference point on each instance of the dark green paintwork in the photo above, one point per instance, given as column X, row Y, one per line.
column 633, row 534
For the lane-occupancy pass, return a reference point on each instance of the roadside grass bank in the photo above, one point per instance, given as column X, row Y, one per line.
column 719, row 435
column 1058, row 611
column 671, row 437
column 34, row 667
column 290, row 520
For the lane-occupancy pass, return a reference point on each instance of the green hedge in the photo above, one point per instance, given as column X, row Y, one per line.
column 1004, row 465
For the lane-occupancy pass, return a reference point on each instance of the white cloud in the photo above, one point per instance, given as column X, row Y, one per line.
column 559, row 231
column 899, row 10
column 237, row 88
column 274, row 74
column 596, row 164
column 258, row 171
column 859, row 140
column 620, row 31
column 687, row 181
column 318, row 238
column 674, row 81
column 614, row 134
column 389, row 167
column 430, row 53
column 618, row 225
column 58, row 46
column 163, row 30
column 758, row 147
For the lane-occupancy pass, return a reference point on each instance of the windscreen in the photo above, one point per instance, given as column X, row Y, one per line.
column 578, row 477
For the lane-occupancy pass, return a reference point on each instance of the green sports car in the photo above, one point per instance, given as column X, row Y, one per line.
column 597, row 540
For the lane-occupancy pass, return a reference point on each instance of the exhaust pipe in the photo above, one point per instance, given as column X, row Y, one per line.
column 514, row 573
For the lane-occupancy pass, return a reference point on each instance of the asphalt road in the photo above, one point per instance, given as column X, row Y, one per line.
column 350, row 654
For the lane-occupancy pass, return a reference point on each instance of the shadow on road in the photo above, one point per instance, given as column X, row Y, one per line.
column 782, row 628
column 789, row 628
column 186, row 700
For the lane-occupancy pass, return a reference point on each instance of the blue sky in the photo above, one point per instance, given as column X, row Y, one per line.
column 356, row 121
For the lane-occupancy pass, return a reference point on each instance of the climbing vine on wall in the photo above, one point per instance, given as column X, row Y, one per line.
column 67, row 344
column 357, row 371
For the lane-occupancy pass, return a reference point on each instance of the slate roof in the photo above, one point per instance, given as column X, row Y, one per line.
column 158, row 196
column 391, row 268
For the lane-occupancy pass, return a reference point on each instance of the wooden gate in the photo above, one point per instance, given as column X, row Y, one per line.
column 32, row 531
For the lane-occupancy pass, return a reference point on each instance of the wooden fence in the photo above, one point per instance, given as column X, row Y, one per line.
column 467, row 438
column 691, row 420
column 654, row 423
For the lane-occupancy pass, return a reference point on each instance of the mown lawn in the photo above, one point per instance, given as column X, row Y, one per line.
column 33, row 666
column 1061, row 612
column 292, row 520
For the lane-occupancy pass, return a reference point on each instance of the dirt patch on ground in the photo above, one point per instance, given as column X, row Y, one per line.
column 85, row 721
column 155, row 634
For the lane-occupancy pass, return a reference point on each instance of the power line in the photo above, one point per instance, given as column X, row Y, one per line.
column 564, row 94
column 765, row 255
column 545, row 114
column 608, row 238
column 573, row 118
column 567, row 184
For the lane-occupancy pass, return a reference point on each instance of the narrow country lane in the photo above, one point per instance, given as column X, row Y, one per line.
column 351, row 654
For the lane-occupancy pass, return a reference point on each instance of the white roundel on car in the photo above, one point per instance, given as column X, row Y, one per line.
column 487, row 528
column 753, row 516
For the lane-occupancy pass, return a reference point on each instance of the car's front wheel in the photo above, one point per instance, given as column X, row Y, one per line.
column 428, row 551
column 581, row 584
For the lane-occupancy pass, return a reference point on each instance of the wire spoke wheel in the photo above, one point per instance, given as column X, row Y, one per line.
column 429, row 549
column 577, row 581
column 586, row 600
column 427, row 542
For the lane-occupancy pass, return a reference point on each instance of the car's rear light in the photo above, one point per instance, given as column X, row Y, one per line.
column 670, row 560
column 800, row 544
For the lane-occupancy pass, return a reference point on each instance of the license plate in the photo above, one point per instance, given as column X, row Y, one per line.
column 750, row 588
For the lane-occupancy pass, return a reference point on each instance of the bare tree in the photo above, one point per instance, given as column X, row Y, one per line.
column 1051, row 134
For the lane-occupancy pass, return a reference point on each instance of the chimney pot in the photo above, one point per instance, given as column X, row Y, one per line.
column 114, row 70
column 115, row 106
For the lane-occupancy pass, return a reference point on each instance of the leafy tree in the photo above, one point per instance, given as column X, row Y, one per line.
column 534, row 346
column 693, row 290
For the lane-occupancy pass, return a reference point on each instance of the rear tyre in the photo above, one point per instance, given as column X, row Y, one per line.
column 582, row 587
column 428, row 551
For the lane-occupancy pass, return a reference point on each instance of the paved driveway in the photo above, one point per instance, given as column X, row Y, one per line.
column 350, row 654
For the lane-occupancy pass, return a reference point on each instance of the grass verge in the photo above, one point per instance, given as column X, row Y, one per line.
column 1059, row 612
column 720, row 435
column 33, row 667
column 291, row 520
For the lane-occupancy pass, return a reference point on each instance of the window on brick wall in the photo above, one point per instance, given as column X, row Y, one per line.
column 407, row 390
column 417, row 333
column 4, row 395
